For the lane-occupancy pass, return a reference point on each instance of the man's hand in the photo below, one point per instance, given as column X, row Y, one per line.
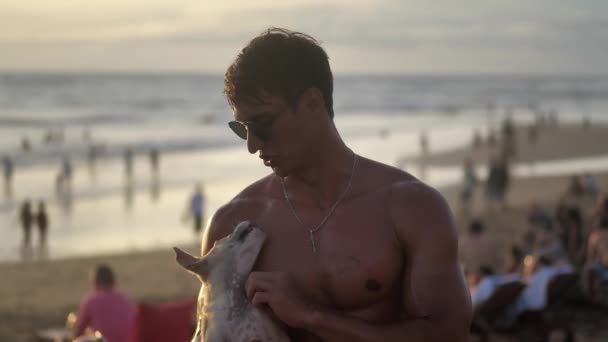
column 281, row 294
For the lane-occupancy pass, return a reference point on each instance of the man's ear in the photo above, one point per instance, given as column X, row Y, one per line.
column 312, row 100
column 200, row 267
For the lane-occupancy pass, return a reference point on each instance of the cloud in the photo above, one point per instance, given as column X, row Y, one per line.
column 399, row 34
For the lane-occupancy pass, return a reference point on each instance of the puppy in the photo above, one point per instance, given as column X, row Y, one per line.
column 228, row 316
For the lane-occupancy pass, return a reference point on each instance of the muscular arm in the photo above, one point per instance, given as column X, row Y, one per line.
column 435, row 296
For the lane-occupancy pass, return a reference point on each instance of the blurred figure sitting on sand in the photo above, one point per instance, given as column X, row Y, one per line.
column 599, row 211
column 477, row 247
column 538, row 216
column 575, row 195
column 573, row 235
column 515, row 260
column 591, row 185
column 484, row 281
column 534, row 296
column 548, row 243
column 104, row 310
column 595, row 270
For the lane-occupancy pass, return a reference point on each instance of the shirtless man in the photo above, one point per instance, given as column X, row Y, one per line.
column 356, row 250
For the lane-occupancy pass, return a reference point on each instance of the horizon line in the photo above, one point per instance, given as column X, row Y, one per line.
column 109, row 72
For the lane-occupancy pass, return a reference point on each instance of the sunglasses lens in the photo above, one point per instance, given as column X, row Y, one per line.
column 239, row 129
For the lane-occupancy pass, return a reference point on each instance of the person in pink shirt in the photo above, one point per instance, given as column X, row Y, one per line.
column 104, row 309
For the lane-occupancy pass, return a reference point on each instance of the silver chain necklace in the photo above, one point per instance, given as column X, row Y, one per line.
column 312, row 231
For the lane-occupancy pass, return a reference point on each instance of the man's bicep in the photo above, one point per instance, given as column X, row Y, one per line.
column 434, row 287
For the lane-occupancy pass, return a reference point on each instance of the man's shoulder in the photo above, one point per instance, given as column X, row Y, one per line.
column 254, row 197
column 377, row 175
column 416, row 208
column 262, row 188
column 247, row 205
column 406, row 192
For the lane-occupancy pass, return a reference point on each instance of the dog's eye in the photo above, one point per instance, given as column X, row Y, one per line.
column 241, row 236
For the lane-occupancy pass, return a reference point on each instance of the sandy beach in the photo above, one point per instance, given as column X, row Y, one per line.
column 40, row 294
column 561, row 142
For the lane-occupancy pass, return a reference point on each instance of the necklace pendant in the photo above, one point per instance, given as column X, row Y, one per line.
column 312, row 241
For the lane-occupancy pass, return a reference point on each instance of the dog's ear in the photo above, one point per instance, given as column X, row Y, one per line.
column 200, row 267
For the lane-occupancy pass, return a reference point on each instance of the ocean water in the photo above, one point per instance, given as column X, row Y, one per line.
column 184, row 117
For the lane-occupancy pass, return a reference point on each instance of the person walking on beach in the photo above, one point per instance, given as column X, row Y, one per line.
column 196, row 208
column 92, row 160
column 128, row 157
column 469, row 183
column 8, row 169
column 42, row 221
column 424, row 144
column 497, row 183
column 105, row 309
column 66, row 172
column 26, row 217
column 154, row 160
column 356, row 250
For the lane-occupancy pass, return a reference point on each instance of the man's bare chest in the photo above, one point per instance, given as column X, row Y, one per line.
column 357, row 263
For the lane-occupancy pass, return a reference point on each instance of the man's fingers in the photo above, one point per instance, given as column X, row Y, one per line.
column 260, row 298
column 255, row 284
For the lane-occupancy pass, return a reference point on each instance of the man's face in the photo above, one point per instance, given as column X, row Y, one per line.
column 274, row 130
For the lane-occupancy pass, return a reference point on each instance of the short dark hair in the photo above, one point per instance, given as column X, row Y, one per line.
column 604, row 222
column 575, row 216
column 476, row 227
column 545, row 260
column 486, row 270
column 104, row 276
column 282, row 63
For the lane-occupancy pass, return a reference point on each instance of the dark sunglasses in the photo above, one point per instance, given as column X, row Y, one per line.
column 260, row 129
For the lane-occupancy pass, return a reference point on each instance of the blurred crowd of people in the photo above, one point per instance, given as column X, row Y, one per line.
column 69, row 167
column 570, row 238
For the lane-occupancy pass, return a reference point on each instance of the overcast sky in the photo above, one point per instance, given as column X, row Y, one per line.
column 376, row 36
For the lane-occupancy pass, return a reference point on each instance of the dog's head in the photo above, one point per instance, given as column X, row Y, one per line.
column 234, row 254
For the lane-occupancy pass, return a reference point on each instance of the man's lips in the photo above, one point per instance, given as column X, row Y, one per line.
column 268, row 160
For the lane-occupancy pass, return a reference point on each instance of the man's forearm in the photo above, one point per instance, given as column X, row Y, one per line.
column 332, row 326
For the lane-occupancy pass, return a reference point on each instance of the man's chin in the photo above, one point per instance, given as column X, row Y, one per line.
column 281, row 172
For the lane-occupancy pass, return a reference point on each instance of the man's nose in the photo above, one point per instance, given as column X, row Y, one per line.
column 254, row 143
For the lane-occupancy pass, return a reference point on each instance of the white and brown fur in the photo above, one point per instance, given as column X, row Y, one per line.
column 227, row 315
